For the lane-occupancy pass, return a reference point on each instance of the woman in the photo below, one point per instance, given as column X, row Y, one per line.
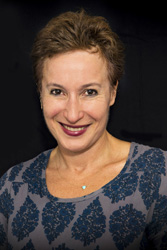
column 92, row 191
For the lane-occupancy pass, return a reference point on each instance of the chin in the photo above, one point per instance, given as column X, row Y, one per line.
column 74, row 147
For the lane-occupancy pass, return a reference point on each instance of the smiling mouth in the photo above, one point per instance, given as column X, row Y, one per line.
column 74, row 130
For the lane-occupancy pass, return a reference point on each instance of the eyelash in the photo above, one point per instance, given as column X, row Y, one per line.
column 54, row 92
column 90, row 92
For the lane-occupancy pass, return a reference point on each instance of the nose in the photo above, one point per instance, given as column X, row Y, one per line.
column 73, row 111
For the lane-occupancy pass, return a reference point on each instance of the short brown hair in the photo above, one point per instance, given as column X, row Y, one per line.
column 78, row 30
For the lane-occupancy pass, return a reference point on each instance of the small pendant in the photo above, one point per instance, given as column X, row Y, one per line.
column 83, row 187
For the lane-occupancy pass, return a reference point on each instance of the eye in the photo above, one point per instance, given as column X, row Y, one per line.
column 56, row 92
column 91, row 92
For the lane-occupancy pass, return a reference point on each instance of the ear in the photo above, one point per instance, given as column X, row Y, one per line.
column 113, row 93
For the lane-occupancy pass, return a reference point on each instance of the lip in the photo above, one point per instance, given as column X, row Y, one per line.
column 74, row 130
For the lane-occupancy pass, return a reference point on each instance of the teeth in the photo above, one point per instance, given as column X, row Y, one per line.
column 73, row 129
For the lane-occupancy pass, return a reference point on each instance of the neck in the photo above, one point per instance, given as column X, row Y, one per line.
column 80, row 162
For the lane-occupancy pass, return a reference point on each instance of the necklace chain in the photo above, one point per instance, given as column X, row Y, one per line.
column 83, row 187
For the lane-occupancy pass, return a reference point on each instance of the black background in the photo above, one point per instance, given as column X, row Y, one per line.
column 140, row 111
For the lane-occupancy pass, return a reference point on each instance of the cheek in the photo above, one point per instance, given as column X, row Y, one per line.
column 98, row 110
column 50, row 109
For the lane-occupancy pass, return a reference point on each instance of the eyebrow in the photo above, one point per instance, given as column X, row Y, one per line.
column 91, row 84
column 54, row 85
column 83, row 86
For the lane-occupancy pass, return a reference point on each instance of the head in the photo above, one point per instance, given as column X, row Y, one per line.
column 72, row 31
column 77, row 62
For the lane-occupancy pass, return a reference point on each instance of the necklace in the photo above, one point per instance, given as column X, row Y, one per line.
column 83, row 187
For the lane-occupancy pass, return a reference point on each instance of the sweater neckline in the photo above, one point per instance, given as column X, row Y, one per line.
column 88, row 196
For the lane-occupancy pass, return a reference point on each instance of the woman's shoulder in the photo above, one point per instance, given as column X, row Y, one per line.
column 148, row 157
column 141, row 153
column 19, row 172
column 139, row 149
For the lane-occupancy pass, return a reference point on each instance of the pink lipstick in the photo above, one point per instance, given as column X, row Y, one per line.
column 74, row 130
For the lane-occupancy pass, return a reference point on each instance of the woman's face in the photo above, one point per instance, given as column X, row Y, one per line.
column 76, row 97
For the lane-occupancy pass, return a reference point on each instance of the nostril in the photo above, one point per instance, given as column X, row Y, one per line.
column 73, row 115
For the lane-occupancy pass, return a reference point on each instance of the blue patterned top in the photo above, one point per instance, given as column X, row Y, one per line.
column 130, row 212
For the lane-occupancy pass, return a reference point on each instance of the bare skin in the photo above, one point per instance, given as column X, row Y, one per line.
column 64, row 181
column 76, row 96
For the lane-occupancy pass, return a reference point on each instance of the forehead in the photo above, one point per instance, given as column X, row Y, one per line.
column 75, row 65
